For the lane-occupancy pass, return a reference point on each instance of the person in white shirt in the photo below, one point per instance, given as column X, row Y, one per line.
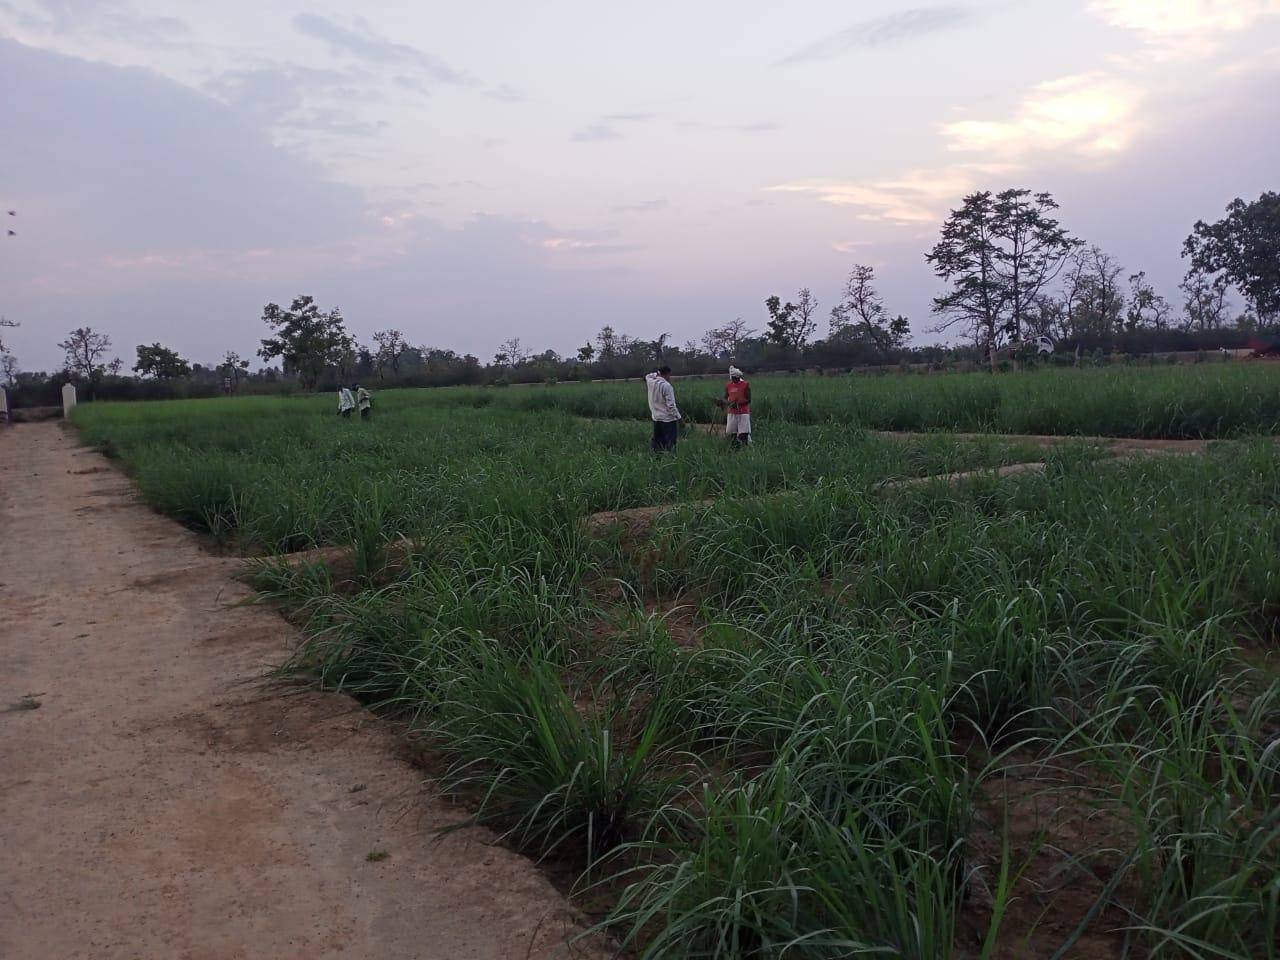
column 663, row 410
column 346, row 403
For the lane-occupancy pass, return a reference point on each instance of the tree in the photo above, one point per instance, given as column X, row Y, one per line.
column 9, row 368
column 860, row 315
column 791, row 324
column 806, row 318
column 657, row 346
column 233, row 367
column 724, row 341
column 347, row 359
column 115, row 366
column 1094, row 303
column 998, row 252
column 160, row 363
column 1204, row 301
column 84, row 349
column 390, row 348
column 510, row 353
column 607, row 341
column 1244, row 248
column 6, row 323
column 1147, row 309
column 307, row 340
column 586, row 352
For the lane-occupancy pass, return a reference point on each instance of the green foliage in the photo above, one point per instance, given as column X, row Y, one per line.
column 160, row 363
column 779, row 725
column 1244, row 247
column 307, row 340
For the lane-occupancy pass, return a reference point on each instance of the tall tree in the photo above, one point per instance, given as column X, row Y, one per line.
column 724, row 341
column 390, row 347
column 1147, row 309
column 510, row 353
column 998, row 252
column 792, row 324
column 84, row 349
column 586, row 352
column 806, row 318
column 1204, row 301
column 9, row 368
column 658, row 346
column 607, row 341
column 1244, row 248
column 235, row 368
column 860, row 315
column 307, row 340
column 160, row 363
column 1092, row 296
column 6, row 323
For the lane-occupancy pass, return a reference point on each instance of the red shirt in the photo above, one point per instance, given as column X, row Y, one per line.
column 738, row 395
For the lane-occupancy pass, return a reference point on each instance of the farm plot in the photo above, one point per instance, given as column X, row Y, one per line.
column 1197, row 401
column 1002, row 718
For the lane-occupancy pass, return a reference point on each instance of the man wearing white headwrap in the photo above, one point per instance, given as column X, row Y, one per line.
column 737, row 399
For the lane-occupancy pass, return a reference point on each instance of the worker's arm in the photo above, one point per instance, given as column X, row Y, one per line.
column 748, row 393
column 669, row 398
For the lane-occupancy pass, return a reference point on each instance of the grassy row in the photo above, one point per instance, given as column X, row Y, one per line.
column 820, row 774
column 282, row 475
column 1214, row 400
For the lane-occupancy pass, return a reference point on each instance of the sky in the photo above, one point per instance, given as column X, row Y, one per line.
column 471, row 172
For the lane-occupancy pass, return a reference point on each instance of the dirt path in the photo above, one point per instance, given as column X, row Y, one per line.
column 158, row 801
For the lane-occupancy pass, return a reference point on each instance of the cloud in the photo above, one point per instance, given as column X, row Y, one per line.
column 919, row 196
column 850, row 246
column 595, row 133
column 1179, row 29
column 914, row 197
column 112, row 19
column 270, row 93
column 605, row 129
column 882, row 31
column 131, row 174
column 1167, row 17
column 643, row 206
column 1090, row 114
column 361, row 42
column 504, row 93
column 758, row 126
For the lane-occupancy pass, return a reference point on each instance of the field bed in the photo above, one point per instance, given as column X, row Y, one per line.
column 1177, row 402
column 834, row 711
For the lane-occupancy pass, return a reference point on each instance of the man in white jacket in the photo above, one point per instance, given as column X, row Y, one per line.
column 662, row 409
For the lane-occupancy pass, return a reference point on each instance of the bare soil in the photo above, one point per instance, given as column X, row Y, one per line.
column 158, row 799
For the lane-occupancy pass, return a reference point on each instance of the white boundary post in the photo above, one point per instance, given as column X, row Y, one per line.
column 68, row 399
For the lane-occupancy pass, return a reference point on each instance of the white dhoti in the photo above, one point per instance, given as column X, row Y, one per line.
column 737, row 423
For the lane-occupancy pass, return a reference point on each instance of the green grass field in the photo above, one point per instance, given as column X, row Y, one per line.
column 822, row 716
column 1203, row 400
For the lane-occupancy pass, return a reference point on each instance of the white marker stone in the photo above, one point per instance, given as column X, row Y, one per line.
column 4, row 406
column 68, row 398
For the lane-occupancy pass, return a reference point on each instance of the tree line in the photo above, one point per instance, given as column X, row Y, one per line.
column 1011, row 271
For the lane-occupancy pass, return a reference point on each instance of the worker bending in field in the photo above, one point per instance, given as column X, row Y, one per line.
column 364, row 402
column 737, row 399
column 663, row 410
column 346, row 402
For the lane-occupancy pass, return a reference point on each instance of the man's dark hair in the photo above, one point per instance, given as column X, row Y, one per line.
column 665, row 371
